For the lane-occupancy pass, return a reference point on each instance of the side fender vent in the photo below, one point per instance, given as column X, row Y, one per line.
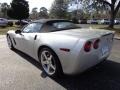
column 14, row 41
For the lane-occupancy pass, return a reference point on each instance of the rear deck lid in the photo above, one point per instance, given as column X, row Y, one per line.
column 84, row 33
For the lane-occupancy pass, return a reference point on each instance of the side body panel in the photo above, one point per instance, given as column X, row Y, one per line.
column 55, row 42
column 28, row 43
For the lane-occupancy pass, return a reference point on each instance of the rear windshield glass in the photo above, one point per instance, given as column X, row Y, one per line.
column 62, row 25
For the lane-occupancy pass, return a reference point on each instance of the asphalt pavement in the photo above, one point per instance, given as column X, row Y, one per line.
column 18, row 71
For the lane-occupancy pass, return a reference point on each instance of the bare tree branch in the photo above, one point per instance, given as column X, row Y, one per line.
column 105, row 2
column 117, row 8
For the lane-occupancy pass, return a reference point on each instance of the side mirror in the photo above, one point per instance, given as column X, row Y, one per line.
column 18, row 31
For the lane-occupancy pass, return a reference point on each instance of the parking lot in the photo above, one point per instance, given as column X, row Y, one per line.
column 20, row 72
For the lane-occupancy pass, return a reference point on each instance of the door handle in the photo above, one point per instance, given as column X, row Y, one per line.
column 35, row 37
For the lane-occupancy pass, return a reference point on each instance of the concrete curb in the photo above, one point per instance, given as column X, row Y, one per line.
column 2, row 36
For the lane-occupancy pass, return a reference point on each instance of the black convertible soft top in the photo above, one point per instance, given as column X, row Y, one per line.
column 51, row 20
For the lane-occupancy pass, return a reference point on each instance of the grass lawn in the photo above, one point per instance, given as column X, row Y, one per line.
column 116, row 28
column 4, row 30
column 97, row 26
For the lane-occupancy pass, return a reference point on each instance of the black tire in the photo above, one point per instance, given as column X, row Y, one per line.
column 10, row 45
column 58, row 71
column 101, row 63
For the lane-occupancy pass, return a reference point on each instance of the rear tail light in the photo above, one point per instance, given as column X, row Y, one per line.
column 96, row 44
column 87, row 46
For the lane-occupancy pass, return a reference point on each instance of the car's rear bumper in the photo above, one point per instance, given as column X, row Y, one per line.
column 80, row 60
column 83, row 62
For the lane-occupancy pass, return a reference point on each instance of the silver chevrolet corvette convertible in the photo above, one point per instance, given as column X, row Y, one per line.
column 60, row 46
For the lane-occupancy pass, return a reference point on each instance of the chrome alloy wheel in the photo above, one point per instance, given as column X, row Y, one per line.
column 48, row 62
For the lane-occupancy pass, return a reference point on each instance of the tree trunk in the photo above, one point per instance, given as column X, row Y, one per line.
column 20, row 23
column 112, row 17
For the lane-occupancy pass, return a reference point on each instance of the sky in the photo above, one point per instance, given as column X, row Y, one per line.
column 41, row 3
column 35, row 3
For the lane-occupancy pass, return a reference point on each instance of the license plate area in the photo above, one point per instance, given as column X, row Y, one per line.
column 105, row 50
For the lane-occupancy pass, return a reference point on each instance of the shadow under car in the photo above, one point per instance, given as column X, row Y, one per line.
column 105, row 76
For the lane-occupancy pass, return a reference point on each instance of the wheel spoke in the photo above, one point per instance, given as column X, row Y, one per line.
column 45, row 56
column 44, row 62
column 50, row 58
column 53, row 67
column 48, row 68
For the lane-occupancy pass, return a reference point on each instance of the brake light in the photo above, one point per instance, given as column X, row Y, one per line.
column 96, row 44
column 87, row 46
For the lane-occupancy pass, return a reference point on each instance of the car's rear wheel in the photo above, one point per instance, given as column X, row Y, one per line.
column 10, row 45
column 50, row 62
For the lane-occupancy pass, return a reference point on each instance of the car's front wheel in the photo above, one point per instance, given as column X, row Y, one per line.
column 50, row 62
column 10, row 45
